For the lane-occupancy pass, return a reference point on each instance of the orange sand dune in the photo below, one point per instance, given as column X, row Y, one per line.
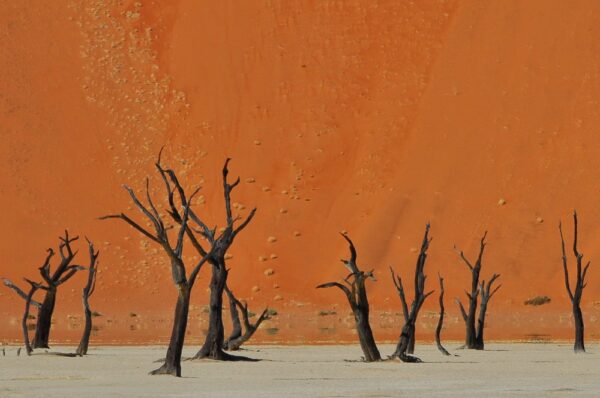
column 369, row 117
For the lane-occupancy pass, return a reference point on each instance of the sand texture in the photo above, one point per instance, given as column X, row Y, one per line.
column 504, row 370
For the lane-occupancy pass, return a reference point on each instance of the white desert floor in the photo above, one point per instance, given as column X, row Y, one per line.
column 503, row 370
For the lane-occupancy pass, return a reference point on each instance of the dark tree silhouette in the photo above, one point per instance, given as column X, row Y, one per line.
column 63, row 272
column 474, row 334
column 219, row 244
column 406, row 342
column 87, row 291
column 580, row 284
column 355, row 290
column 236, row 324
column 213, row 344
column 184, row 285
column 28, row 299
column 438, row 329
column 237, row 338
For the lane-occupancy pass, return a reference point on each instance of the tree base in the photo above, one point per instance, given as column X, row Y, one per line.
column 406, row 358
column 167, row 370
column 223, row 356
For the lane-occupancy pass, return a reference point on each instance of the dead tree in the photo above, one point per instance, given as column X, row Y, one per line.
column 184, row 216
column 62, row 273
column 213, row 344
column 172, row 363
column 406, row 342
column 580, row 284
column 236, row 329
column 235, row 340
column 87, row 291
column 28, row 299
column 355, row 290
column 474, row 334
column 438, row 329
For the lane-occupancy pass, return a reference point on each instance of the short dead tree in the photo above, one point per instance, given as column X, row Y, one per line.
column 438, row 329
column 63, row 272
column 87, row 291
column 236, row 324
column 580, row 284
column 474, row 334
column 28, row 300
column 160, row 236
column 237, row 338
column 355, row 290
column 406, row 342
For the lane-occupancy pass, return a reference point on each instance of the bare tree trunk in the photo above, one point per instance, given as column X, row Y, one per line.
column 479, row 343
column 236, row 330
column 44, row 320
column 578, row 318
column 87, row 330
column 474, row 333
column 26, row 316
column 403, row 343
column 365, row 336
column 486, row 294
column 213, row 344
column 356, row 293
column 172, row 365
column 438, row 329
column 411, row 341
column 406, row 342
column 87, row 291
column 471, row 330
column 580, row 284
column 234, row 344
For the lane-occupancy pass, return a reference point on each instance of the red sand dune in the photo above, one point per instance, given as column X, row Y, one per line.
column 369, row 117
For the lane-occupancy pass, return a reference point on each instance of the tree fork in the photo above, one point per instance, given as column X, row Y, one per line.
column 172, row 363
column 234, row 344
column 407, row 333
column 474, row 333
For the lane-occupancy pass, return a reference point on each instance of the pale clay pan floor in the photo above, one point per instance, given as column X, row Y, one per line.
column 504, row 370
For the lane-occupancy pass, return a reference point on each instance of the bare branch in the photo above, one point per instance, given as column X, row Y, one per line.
column 8, row 283
column 398, row 284
column 564, row 259
column 462, row 256
column 340, row 286
column 135, row 225
column 462, row 309
column 245, row 223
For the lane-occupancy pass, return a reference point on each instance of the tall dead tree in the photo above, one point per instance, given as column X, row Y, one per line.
column 87, row 291
column 213, row 344
column 237, row 338
column 355, row 290
column 174, row 251
column 406, row 342
column 184, row 216
column 52, row 280
column 580, row 284
column 438, row 329
column 474, row 334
